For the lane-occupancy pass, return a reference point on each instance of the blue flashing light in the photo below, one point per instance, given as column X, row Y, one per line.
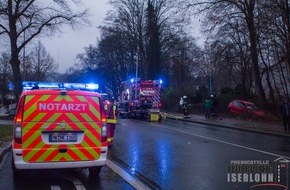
column 160, row 81
column 74, row 85
column 28, row 85
column 132, row 80
column 92, row 86
column 47, row 84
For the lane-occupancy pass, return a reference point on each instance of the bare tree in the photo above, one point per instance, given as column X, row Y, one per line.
column 129, row 19
column 185, row 58
column 274, row 46
column 149, row 26
column 229, row 55
column 40, row 65
column 222, row 12
column 23, row 20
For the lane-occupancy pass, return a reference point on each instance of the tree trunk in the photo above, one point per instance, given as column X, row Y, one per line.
column 254, row 54
column 15, row 63
column 17, row 75
column 153, row 48
column 288, row 30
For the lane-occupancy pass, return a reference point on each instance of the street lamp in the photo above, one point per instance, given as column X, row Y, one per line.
column 24, row 56
column 210, row 83
column 137, row 63
column 209, row 72
column 24, row 39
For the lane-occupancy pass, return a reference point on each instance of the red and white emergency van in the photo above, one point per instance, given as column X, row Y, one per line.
column 60, row 127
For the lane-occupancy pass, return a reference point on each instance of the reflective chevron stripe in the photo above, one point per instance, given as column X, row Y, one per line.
column 39, row 118
column 156, row 96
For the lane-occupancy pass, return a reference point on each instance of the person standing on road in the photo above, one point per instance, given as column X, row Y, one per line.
column 214, row 102
column 6, row 102
column 112, row 114
column 207, row 105
column 181, row 102
column 184, row 106
column 285, row 112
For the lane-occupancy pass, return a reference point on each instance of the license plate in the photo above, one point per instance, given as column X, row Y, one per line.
column 59, row 137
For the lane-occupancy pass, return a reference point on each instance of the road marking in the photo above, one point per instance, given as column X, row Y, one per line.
column 3, row 161
column 77, row 183
column 54, row 187
column 223, row 142
column 126, row 176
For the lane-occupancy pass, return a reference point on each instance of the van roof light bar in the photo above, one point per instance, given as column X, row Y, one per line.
column 30, row 85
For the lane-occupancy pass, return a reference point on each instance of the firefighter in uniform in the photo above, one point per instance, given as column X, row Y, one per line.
column 184, row 104
column 111, row 113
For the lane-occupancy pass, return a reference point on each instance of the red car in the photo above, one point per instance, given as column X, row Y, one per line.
column 243, row 107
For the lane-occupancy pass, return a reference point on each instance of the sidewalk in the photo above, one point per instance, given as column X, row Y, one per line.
column 240, row 124
column 4, row 149
column 4, row 146
column 3, row 111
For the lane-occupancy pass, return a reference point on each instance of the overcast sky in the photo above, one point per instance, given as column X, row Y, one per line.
column 65, row 47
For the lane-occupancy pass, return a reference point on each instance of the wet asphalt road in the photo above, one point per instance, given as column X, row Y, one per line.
column 168, row 155
column 61, row 179
column 181, row 155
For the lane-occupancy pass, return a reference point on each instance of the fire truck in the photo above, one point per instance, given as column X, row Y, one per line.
column 140, row 98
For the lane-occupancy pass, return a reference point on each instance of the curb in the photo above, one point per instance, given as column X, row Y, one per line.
column 229, row 127
column 3, row 151
column 6, row 146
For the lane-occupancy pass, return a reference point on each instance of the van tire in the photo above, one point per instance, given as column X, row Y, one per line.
column 95, row 171
column 16, row 173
